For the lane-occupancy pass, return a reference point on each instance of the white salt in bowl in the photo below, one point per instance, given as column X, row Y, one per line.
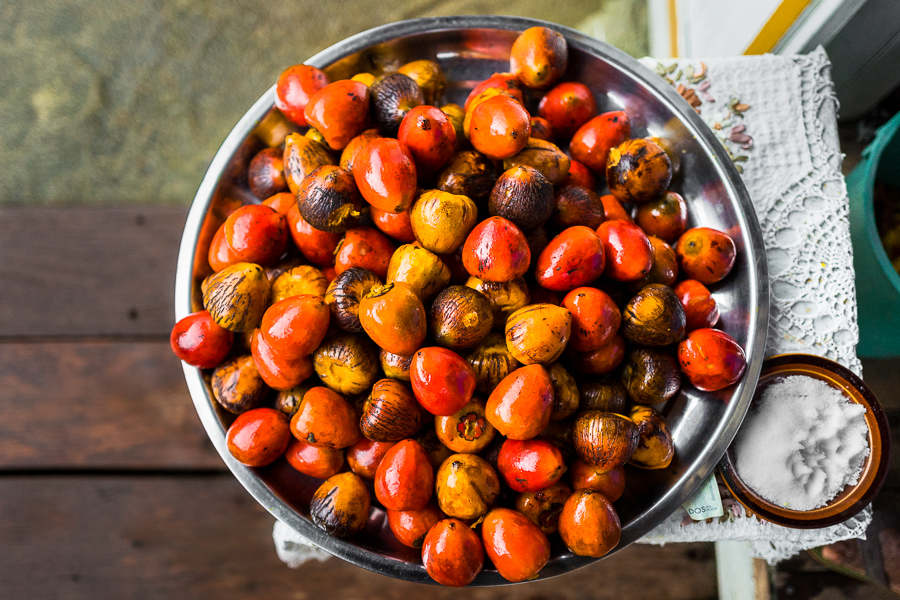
column 854, row 497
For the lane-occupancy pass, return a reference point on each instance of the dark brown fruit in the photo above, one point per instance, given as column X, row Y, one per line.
column 651, row 376
column 524, row 196
column 654, row 317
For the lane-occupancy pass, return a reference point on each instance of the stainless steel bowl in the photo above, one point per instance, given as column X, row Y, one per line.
column 470, row 49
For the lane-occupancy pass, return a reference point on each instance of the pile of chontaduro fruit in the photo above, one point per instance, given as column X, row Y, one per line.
column 461, row 319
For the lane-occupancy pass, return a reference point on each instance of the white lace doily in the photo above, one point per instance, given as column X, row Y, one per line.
column 777, row 116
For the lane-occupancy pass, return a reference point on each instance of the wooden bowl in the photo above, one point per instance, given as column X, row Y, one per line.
column 853, row 498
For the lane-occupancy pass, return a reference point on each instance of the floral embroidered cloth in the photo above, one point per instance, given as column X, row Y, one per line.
column 776, row 116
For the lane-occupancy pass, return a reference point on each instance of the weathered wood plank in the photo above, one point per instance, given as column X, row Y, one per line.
column 165, row 537
column 88, row 271
column 102, row 404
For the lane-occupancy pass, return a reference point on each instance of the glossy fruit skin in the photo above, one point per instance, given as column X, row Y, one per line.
column 517, row 547
column 316, row 246
column 565, row 392
column 429, row 136
column 523, row 196
column 538, row 333
column 572, row 259
column 665, row 266
column 638, row 170
column 700, row 308
column 288, row 401
column 256, row 234
column 385, row 174
column 500, row 127
column 339, row 111
column 325, row 419
column 391, row 413
column 480, row 98
column 466, row 486
column 364, row 456
column 394, row 317
column 496, row 250
column 302, row 156
column 294, row 87
column 395, row 366
column 295, row 326
column 656, row 447
column 265, row 174
column 579, row 175
column 420, row 268
column 507, row 82
column 664, row 217
column 585, row 477
column 613, row 209
column 314, row 461
column 539, row 57
column 520, row 406
column 629, row 255
column 705, row 254
column 605, row 440
column 541, row 129
column 393, row 95
column 577, row 205
column 220, row 253
column 491, row 361
column 606, row 396
column 396, row 225
column 602, row 360
column 460, row 317
column 299, row 280
column 544, row 156
column 405, row 478
column 530, row 465
column 329, row 200
column 457, row 117
column 341, row 505
column 410, row 526
column 347, row 362
column 281, row 202
column 441, row 221
column 711, row 359
column 505, row 297
column 344, row 294
column 651, row 375
column 543, row 506
column 469, row 173
column 654, row 317
column 430, row 78
column 237, row 296
column 442, row 380
column 237, row 386
column 198, row 341
column 281, row 371
column 592, row 142
column 452, row 553
column 567, row 107
column 364, row 247
column 258, row 437
column 355, row 146
column 595, row 318
column 467, row 431
column 589, row 525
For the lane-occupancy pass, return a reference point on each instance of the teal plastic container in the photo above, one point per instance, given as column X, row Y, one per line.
column 877, row 283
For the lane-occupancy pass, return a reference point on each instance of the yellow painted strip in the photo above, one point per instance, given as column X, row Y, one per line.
column 777, row 25
column 673, row 28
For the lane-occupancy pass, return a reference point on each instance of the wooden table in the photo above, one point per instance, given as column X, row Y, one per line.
column 109, row 487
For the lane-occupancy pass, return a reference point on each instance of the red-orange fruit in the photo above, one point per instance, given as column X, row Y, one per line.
column 280, row 370
column 294, row 87
column 282, row 202
column 539, row 57
column 541, row 129
column 429, row 136
column 353, row 147
column 613, row 209
column 700, row 308
column 589, row 525
column 517, row 547
column 394, row 317
column 255, row 233
column 364, row 247
column 442, row 380
column 385, row 174
column 410, row 526
column 665, row 217
column 500, row 127
column 325, row 419
column 405, row 478
column 629, row 255
column 573, row 258
column 199, row 341
column 586, row 477
column 317, row 246
column 521, row 404
column 664, row 269
column 396, row 225
column 258, row 437
column 592, row 142
column 503, row 81
column 579, row 174
column 602, row 360
column 297, row 325
column 530, row 465
column 705, row 254
column 364, row 456
column 338, row 111
column 711, row 359
column 543, row 506
column 496, row 250
column 452, row 553
column 595, row 318
column 314, row 461
column 567, row 107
